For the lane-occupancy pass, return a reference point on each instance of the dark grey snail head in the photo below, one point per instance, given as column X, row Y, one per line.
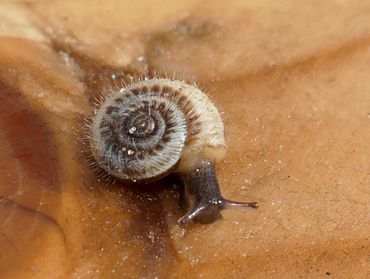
column 154, row 127
column 202, row 195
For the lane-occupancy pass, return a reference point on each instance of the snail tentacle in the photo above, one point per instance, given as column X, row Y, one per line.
column 228, row 204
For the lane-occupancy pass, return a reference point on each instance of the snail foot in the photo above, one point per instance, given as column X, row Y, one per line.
column 205, row 212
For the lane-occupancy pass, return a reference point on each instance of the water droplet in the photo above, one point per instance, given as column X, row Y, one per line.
column 130, row 152
column 151, row 236
column 132, row 130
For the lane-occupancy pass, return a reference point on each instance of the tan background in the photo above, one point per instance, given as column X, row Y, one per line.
column 291, row 79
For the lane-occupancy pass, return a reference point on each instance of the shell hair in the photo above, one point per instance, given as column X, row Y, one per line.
column 147, row 129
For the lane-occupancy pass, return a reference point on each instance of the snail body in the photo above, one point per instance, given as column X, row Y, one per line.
column 151, row 128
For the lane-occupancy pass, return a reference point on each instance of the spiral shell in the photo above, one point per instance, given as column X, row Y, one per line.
column 146, row 130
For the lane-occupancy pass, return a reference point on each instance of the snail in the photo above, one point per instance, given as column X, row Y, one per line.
column 149, row 129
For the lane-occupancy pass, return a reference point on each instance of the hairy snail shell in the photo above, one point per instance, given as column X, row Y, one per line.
column 151, row 128
column 142, row 131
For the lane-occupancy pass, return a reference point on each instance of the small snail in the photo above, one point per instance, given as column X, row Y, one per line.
column 151, row 128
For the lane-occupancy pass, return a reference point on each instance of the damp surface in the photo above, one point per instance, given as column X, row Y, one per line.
column 291, row 82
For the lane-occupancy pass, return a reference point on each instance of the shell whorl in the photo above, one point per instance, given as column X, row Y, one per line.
column 147, row 129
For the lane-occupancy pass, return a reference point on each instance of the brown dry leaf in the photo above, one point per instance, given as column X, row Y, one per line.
column 291, row 79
